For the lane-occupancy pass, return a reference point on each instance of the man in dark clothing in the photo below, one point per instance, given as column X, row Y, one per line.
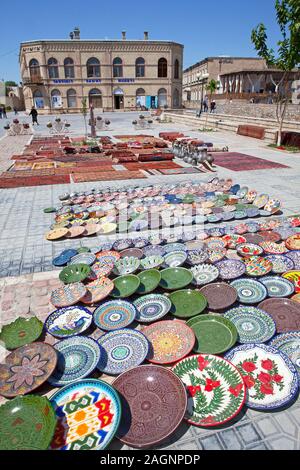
column 4, row 112
column 1, row 112
column 34, row 115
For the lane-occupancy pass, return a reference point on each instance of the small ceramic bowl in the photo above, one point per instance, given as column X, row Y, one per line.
column 204, row 274
column 127, row 265
column 174, row 259
column 152, row 262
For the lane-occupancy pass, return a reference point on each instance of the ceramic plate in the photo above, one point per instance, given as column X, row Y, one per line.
column 295, row 257
column 257, row 266
column 150, row 280
column 127, row 265
column 101, row 269
column 77, row 358
column 175, row 278
column 294, row 277
column 83, row 258
column 261, row 201
column 289, row 344
column 231, row 269
column 214, row 334
column 204, row 274
column 281, row 263
column 97, row 290
column 216, row 392
column 249, row 291
column 26, row 369
column 233, row 240
column 187, row 303
column 152, row 307
column 114, row 315
column 169, row 248
column 125, row 286
column 249, row 249
column 75, row 232
column 175, row 259
column 253, row 325
column 293, row 242
column 56, row 234
column 153, row 405
column 269, row 375
column 277, row 286
column 152, row 262
column 27, row 423
column 217, row 255
column 274, row 248
column 74, row 273
column 285, row 313
column 122, row 350
column 88, row 413
column 108, row 257
column 196, row 257
column 68, row 321
column 219, row 295
column 170, row 341
column 22, row 331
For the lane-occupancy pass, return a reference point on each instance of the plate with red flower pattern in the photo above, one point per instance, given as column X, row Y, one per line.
column 270, row 376
column 215, row 388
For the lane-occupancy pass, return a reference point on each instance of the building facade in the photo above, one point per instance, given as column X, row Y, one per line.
column 112, row 75
column 238, row 78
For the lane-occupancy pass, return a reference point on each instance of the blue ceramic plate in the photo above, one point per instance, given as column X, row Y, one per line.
column 77, row 358
column 278, row 286
column 151, row 250
column 253, row 325
column 83, row 258
column 114, row 315
column 68, row 321
column 250, row 291
column 289, row 344
column 88, row 397
column 152, row 307
column 231, row 268
column 281, row 263
column 122, row 350
column 174, row 247
column 295, row 257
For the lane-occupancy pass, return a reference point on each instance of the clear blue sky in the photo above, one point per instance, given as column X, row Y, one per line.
column 217, row 27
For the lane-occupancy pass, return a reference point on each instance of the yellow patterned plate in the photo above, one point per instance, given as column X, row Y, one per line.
column 294, row 277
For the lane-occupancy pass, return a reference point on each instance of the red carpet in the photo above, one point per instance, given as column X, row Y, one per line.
column 240, row 162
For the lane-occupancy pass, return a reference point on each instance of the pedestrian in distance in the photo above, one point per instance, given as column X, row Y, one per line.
column 34, row 114
column 4, row 112
column 15, row 111
column 1, row 112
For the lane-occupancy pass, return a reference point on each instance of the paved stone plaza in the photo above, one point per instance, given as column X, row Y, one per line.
column 27, row 276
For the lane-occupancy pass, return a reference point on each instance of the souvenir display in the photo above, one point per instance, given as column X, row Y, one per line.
column 214, row 334
column 77, row 358
column 152, row 307
column 285, row 313
column 21, row 332
column 122, row 350
column 216, row 391
column 253, row 325
column 27, row 423
column 270, row 376
column 249, row 291
column 88, row 413
column 154, row 403
column 219, row 295
column 26, row 368
column 289, row 344
column 68, row 321
column 277, row 286
column 114, row 315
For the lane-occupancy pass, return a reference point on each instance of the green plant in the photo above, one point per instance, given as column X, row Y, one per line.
column 287, row 56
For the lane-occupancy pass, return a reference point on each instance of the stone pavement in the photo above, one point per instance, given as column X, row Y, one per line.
column 29, row 295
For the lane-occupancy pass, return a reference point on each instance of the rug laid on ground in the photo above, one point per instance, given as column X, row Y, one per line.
column 241, row 162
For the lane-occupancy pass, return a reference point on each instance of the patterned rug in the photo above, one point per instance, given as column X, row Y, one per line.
column 240, row 162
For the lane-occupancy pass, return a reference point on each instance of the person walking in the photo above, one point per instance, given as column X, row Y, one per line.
column 4, row 112
column 34, row 114
column 213, row 106
column 205, row 104
column 15, row 111
column 1, row 112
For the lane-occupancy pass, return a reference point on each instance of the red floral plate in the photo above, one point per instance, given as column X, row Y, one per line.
column 271, row 378
column 26, row 368
column 170, row 341
column 216, row 391
column 249, row 249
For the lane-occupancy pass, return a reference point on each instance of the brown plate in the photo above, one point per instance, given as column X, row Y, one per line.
column 132, row 252
column 270, row 236
column 285, row 312
column 154, row 403
column 75, row 231
column 27, row 368
column 219, row 295
column 254, row 238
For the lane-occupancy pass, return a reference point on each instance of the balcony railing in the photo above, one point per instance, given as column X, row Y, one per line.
column 33, row 80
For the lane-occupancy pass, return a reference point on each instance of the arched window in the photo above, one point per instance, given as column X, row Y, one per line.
column 162, row 68
column 140, row 97
column 140, row 67
column 56, row 101
column 162, row 97
column 53, row 68
column 117, row 67
column 69, row 68
column 176, row 69
column 38, row 99
column 71, row 98
column 34, row 68
column 176, row 98
column 95, row 98
column 93, row 68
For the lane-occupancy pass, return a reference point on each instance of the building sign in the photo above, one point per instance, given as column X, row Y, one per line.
column 95, row 80
column 126, row 80
column 63, row 81
column 32, row 49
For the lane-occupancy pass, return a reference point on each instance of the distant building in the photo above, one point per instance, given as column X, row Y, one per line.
column 11, row 97
column 241, row 78
column 111, row 74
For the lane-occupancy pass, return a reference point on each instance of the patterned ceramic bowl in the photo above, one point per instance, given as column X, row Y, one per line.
column 175, row 259
column 204, row 274
column 127, row 265
column 151, row 262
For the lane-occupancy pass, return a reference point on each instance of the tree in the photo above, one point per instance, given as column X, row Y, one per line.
column 10, row 83
column 84, row 111
column 287, row 56
column 212, row 88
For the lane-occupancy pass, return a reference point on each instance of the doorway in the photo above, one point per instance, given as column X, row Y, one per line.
column 119, row 102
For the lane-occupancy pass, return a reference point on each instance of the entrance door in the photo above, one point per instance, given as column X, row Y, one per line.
column 119, row 102
column 153, row 101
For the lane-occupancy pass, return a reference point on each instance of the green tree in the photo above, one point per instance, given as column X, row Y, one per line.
column 287, row 56
column 10, row 83
column 211, row 87
column 84, row 111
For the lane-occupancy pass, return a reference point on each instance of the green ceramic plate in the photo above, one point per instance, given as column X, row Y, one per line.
column 125, row 286
column 49, row 210
column 214, row 334
column 149, row 281
column 27, row 423
column 175, row 278
column 187, row 303
column 83, row 249
column 74, row 273
column 21, row 332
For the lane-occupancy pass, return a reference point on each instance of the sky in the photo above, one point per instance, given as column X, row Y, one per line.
column 205, row 28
